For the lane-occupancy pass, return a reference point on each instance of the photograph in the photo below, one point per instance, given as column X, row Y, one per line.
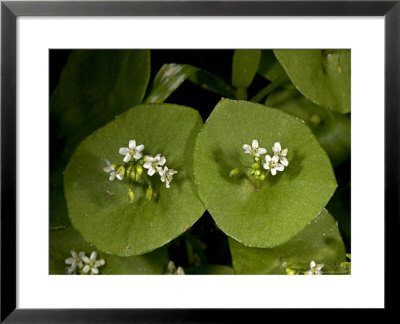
column 200, row 161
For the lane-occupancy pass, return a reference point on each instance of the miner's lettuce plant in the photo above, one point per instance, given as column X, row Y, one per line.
column 236, row 163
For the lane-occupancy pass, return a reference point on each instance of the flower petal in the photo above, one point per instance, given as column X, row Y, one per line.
column 95, row 270
column 69, row 260
column 266, row 166
column 284, row 152
column 268, row 158
column 273, row 171
column 312, row 264
column 279, row 167
column 284, row 161
column 151, row 171
column 246, row 148
column 262, row 150
column 162, row 161
column 277, row 147
column 137, row 155
column 127, row 158
column 123, row 150
column 93, row 256
column 275, row 158
column 132, row 144
column 147, row 165
column 86, row 269
column 254, row 144
column 139, row 148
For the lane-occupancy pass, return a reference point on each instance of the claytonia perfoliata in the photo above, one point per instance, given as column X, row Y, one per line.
column 131, row 151
column 91, row 264
column 254, row 150
column 315, row 269
column 110, row 168
column 75, row 262
column 281, row 154
column 272, row 164
column 132, row 170
column 167, row 175
column 154, row 164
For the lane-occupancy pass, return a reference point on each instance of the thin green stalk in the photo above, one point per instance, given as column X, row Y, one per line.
column 197, row 248
column 269, row 88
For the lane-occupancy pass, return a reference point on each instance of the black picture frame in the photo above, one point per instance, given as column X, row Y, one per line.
column 10, row 10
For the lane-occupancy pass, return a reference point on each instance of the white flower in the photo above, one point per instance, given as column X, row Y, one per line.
column 166, row 175
column 132, row 151
column 153, row 164
column 254, row 150
column 75, row 262
column 272, row 164
column 110, row 169
column 91, row 264
column 315, row 269
column 281, row 154
column 172, row 270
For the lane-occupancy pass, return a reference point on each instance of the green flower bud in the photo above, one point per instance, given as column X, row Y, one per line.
column 290, row 271
column 149, row 193
column 139, row 171
column 128, row 171
column 262, row 176
column 256, row 166
column 257, row 159
column 234, row 172
column 131, row 195
column 252, row 171
column 315, row 120
column 257, row 172
column 133, row 174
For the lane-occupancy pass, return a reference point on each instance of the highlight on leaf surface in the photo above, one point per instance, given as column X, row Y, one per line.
column 100, row 209
column 264, row 215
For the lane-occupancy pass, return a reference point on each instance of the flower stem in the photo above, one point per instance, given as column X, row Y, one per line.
column 269, row 88
column 196, row 247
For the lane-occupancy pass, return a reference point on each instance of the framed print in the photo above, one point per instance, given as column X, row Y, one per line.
column 194, row 160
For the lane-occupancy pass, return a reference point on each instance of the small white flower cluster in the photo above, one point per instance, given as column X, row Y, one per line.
column 315, row 269
column 173, row 270
column 80, row 263
column 260, row 167
column 133, row 168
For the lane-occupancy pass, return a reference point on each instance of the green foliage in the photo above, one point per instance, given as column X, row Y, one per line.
column 323, row 76
column 244, row 67
column 332, row 129
column 64, row 240
column 285, row 204
column 95, row 86
column 171, row 76
column 276, row 225
column 319, row 241
column 100, row 209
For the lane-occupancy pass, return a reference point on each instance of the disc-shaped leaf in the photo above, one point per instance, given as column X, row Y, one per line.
column 323, row 76
column 331, row 128
column 285, row 203
column 320, row 241
column 100, row 209
column 63, row 241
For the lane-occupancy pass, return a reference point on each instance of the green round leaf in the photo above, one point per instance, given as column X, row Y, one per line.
column 332, row 129
column 323, row 76
column 63, row 241
column 320, row 241
column 286, row 203
column 100, row 209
